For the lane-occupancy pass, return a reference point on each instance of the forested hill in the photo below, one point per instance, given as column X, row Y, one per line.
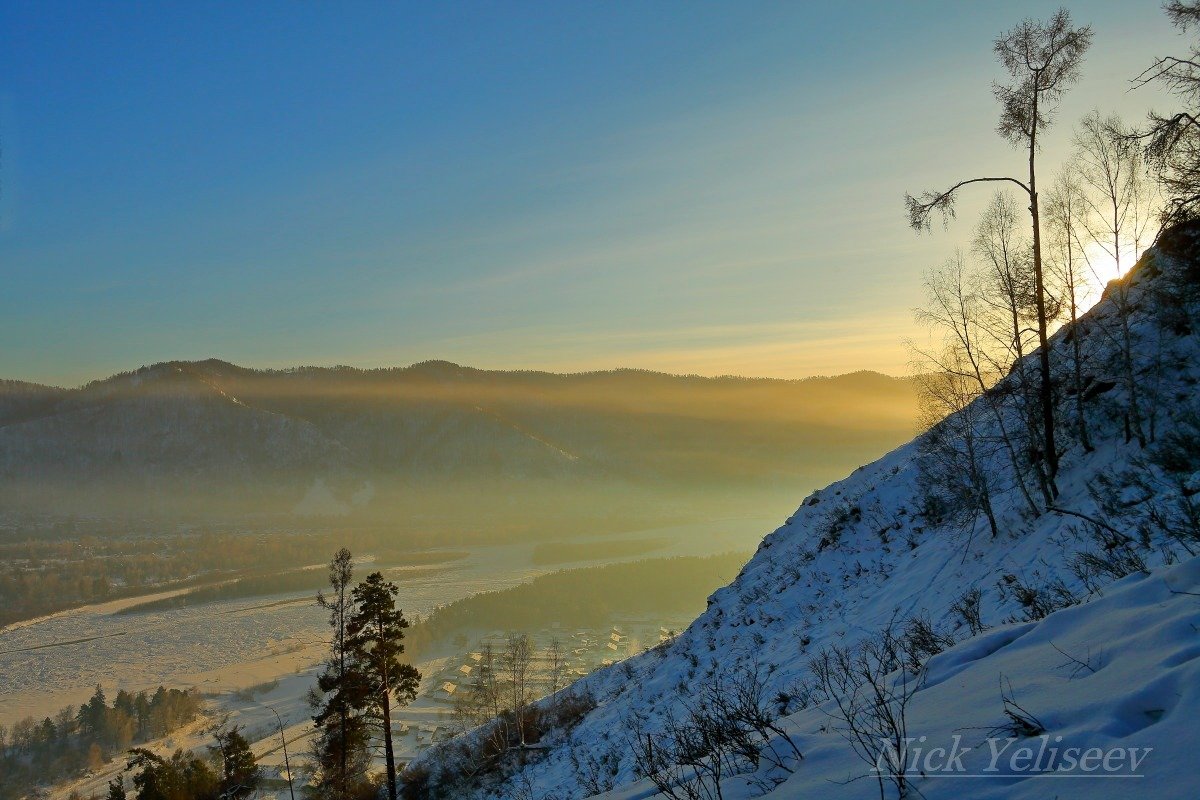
column 210, row 436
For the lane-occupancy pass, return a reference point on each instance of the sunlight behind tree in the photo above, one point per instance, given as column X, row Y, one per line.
column 1101, row 268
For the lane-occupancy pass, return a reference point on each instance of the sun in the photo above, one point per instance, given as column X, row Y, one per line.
column 1100, row 267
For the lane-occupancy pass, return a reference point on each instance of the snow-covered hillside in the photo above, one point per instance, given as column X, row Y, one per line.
column 1117, row 676
column 1097, row 662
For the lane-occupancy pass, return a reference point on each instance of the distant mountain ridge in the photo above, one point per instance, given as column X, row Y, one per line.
column 212, row 426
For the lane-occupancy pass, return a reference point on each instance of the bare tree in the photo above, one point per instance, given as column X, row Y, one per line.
column 1118, row 202
column 969, row 608
column 1172, row 141
column 487, row 697
column 487, row 684
column 1130, row 221
column 556, row 666
column 737, row 704
column 1008, row 281
column 1064, row 206
column 515, row 666
column 1007, row 308
column 595, row 773
column 681, row 760
column 1043, row 60
column 951, row 462
column 966, row 370
column 729, row 726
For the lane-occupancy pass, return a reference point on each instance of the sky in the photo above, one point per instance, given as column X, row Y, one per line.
column 712, row 188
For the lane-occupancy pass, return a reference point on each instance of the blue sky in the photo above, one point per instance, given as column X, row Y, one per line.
column 692, row 187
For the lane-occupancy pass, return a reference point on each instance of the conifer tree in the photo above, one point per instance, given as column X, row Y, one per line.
column 340, row 747
column 375, row 634
column 240, row 773
column 93, row 716
column 183, row 776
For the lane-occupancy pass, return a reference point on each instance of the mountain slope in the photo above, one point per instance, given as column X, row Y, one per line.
column 209, row 435
column 166, row 421
column 1119, row 676
column 883, row 547
column 20, row 400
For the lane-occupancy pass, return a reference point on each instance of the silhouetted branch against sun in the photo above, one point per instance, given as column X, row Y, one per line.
column 1183, row 13
column 922, row 208
column 1043, row 59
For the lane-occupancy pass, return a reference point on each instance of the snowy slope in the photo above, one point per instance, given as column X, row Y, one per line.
column 1140, row 689
column 872, row 549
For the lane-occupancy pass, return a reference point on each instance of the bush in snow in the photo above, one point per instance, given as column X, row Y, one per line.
column 867, row 689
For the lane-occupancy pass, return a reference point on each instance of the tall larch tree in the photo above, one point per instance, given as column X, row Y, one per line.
column 1043, row 59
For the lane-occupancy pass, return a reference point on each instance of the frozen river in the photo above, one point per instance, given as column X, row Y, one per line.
column 48, row 663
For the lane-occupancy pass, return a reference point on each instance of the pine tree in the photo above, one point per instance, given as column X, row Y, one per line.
column 375, row 632
column 180, row 777
column 141, row 708
column 93, row 717
column 240, row 773
column 340, row 747
column 124, row 702
column 116, row 789
column 148, row 775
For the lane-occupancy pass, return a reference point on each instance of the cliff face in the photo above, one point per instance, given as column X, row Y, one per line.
column 1084, row 625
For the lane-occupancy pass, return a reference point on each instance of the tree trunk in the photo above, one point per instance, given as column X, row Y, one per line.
column 1029, row 418
column 389, row 754
column 343, row 715
column 1134, row 415
column 1046, row 393
column 1077, row 347
column 979, row 479
column 1018, row 473
column 1076, row 334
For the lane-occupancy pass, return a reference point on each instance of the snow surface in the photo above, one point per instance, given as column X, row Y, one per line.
column 860, row 553
column 1143, row 641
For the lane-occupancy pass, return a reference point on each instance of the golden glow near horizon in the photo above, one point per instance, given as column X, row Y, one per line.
column 1101, row 267
column 789, row 350
column 723, row 203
